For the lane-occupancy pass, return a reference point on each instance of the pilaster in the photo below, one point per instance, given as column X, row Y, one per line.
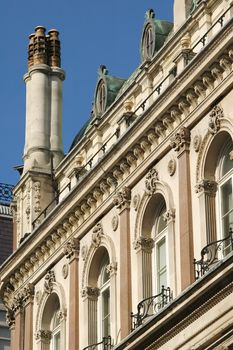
column 180, row 142
column 71, row 251
column 122, row 203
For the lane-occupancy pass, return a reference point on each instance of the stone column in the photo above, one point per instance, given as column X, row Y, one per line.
column 143, row 247
column 72, row 250
column 180, row 143
column 207, row 192
column 122, row 202
column 91, row 295
column 28, row 296
column 19, row 325
column 10, row 320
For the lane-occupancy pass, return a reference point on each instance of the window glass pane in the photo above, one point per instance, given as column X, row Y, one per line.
column 226, row 194
column 161, row 265
column 227, row 164
column 57, row 341
column 106, row 312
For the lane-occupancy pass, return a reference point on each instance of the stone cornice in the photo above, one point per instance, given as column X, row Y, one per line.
column 133, row 153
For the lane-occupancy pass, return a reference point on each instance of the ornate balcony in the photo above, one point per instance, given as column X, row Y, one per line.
column 105, row 344
column 150, row 306
column 212, row 253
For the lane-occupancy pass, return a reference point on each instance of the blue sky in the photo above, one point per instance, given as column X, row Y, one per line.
column 92, row 33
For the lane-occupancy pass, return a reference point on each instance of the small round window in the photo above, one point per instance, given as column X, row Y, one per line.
column 148, row 42
column 101, row 98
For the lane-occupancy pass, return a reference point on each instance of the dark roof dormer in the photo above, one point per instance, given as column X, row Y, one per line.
column 106, row 91
column 154, row 34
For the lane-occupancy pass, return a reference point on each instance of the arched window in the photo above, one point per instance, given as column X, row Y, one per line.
column 148, row 43
column 225, row 192
column 160, row 237
column 56, row 331
column 101, row 98
column 104, row 299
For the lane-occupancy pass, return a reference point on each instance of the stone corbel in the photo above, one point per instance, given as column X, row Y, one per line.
column 72, row 249
column 122, row 199
column 180, row 142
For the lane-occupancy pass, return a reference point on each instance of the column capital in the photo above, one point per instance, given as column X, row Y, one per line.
column 181, row 140
column 145, row 244
column 207, row 186
column 90, row 292
column 44, row 335
column 72, row 249
column 10, row 318
column 122, row 198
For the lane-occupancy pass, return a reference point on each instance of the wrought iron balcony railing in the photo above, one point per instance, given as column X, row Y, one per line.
column 150, row 306
column 105, row 344
column 212, row 253
column 6, row 195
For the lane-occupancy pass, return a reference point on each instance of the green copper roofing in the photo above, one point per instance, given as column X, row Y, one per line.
column 160, row 31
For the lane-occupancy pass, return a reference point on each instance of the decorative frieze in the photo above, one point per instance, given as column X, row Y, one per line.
column 122, row 198
column 150, row 182
column 72, row 248
column 181, row 140
column 49, row 280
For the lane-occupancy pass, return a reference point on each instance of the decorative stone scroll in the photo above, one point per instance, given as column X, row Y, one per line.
column 112, row 268
column 72, row 248
column 49, row 280
column 214, row 121
column 150, row 182
column 122, row 198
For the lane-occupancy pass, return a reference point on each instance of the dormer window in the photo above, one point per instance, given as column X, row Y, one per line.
column 149, row 42
column 101, row 98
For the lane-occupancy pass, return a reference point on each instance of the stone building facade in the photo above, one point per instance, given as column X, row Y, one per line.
column 6, row 247
column 128, row 242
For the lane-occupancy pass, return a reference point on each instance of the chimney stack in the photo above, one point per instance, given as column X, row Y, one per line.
column 43, row 137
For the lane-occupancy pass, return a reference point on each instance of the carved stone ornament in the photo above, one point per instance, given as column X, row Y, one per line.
column 45, row 335
column 144, row 243
column 150, row 181
column 84, row 251
column 72, row 248
column 169, row 215
column 112, row 268
column 207, row 186
column 122, row 198
column 171, row 167
column 49, row 280
column 197, row 142
column 135, row 202
column 214, row 121
column 65, row 271
column 37, row 196
column 115, row 222
column 92, row 292
column 10, row 318
column 181, row 140
column 97, row 234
